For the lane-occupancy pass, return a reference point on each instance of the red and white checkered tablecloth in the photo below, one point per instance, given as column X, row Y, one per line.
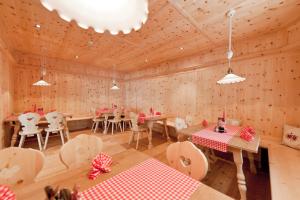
column 6, row 193
column 149, row 180
column 211, row 139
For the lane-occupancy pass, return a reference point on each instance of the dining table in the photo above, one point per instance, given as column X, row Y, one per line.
column 225, row 142
column 133, row 175
column 13, row 121
column 149, row 120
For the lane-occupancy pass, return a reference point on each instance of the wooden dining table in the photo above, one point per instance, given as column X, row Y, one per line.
column 235, row 145
column 14, row 122
column 150, row 120
column 121, row 162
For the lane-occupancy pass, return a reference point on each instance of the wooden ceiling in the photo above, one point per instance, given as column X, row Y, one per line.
column 175, row 28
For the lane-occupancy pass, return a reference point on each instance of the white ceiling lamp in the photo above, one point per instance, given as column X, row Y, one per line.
column 111, row 15
column 114, row 87
column 230, row 77
column 114, row 83
column 42, row 82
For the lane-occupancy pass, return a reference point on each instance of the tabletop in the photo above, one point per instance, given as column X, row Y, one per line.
column 121, row 162
column 235, row 142
column 155, row 117
column 14, row 118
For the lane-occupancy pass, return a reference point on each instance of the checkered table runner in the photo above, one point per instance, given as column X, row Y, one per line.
column 211, row 139
column 149, row 180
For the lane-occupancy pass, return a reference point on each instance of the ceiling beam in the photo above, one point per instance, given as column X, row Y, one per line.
column 191, row 19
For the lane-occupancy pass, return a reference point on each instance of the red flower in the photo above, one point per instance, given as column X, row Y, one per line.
column 291, row 136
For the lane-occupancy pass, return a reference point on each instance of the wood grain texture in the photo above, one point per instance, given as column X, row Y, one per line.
column 73, row 88
column 6, row 87
column 193, row 25
column 266, row 100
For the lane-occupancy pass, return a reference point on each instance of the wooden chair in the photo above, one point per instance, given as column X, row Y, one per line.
column 18, row 165
column 187, row 158
column 234, row 122
column 126, row 120
column 96, row 121
column 115, row 121
column 29, row 123
column 136, row 129
column 55, row 121
column 179, row 124
column 189, row 120
column 80, row 150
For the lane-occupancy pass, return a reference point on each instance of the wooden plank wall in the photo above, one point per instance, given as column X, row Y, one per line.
column 6, row 87
column 269, row 98
column 75, row 88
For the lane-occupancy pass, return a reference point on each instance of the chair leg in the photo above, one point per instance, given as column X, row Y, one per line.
column 62, row 137
column 46, row 140
column 38, row 135
column 96, row 127
column 123, row 123
column 42, row 139
column 22, row 140
column 130, row 125
column 112, row 128
column 93, row 126
column 120, row 126
column 131, row 138
column 137, row 140
column 67, row 135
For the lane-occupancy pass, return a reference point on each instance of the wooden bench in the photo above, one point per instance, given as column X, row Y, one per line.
column 284, row 164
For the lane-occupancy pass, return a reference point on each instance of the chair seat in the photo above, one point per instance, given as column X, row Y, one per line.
column 54, row 130
column 126, row 119
column 30, row 132
column 139, row 129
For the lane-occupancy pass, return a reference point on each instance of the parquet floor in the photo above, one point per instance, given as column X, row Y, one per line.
column 222, row 175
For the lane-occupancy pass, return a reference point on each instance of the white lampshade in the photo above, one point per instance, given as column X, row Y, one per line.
column 230, row 78
column 41, row 82
column 111, row 15
column 114, row 87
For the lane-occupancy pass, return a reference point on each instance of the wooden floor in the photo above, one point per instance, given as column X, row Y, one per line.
column 222, row 175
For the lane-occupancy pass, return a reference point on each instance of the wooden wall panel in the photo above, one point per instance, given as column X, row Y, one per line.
column 73, row 92
column 269, row 98
column 6, row 88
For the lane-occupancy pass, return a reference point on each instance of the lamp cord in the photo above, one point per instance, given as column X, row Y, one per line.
column 230, row 34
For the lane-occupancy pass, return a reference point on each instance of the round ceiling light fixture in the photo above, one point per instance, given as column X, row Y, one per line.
column 111, row 15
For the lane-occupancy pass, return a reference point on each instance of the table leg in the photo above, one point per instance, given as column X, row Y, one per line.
column 66, row 128
column 166, row 129
column 17, row 127
column 252, row 165
column 150, row 126
column 238, row 159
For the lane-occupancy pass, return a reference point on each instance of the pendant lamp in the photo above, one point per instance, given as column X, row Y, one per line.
column 114, row 87
column 230, row 77
column 111, row 15
column 114, row 84
column 42, row 82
